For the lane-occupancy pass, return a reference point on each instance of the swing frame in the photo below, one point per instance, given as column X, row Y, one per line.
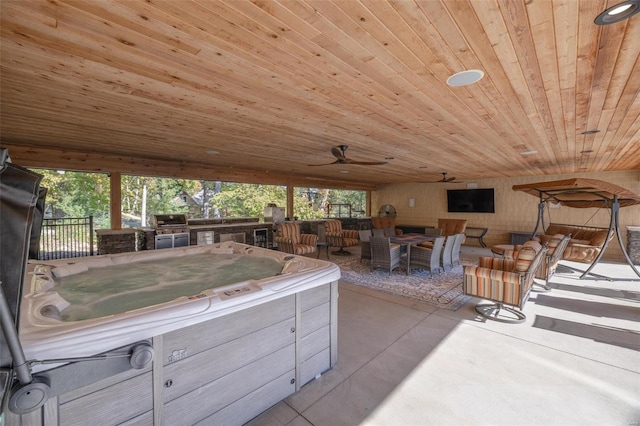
column 585, row 193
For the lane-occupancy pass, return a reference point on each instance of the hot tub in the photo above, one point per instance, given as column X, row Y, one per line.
column 276, row 321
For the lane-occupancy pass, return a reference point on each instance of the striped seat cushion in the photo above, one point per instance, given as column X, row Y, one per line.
column 499, row 263
column 308, row 239
column 349, row 242
column 351, row 233
column 493, row 284
column 526, row 254
column 333, row 226
column 304, row 249
column 553, row 243
column 289, row 231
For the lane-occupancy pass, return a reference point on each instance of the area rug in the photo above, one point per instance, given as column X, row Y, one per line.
column 443, row 290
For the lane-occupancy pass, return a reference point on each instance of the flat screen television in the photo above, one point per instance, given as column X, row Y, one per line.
column 470, row 201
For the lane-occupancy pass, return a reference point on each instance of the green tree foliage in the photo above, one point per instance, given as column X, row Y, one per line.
column 357, row 200
column 309, row 203
column 75, row 194
column 162, row 195
column 247, row 200
column 312, row 203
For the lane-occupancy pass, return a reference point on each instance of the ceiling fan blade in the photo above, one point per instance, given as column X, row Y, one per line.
column 338, row 153
column 445, row 179
column 367, row 163
column 326, row 164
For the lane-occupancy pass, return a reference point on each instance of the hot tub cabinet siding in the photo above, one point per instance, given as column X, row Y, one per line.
column 223, row 371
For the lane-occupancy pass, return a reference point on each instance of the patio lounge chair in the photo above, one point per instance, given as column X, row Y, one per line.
column 338, row 237
column 556, row 245
column 290, row 240
column 506, row 282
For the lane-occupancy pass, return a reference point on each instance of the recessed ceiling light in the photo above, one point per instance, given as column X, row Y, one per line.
column 618, row 13
column 525, row 153
column 464, row 78
column 212, row 152
column 344, row 171
column 590, row 132
column 619, row 9
column 586, row 151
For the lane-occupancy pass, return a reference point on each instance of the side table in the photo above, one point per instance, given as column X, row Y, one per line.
column 499, row 249
column 477, row 233
column 319, row 246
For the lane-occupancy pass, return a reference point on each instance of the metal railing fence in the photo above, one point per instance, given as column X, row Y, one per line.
column 62, row 238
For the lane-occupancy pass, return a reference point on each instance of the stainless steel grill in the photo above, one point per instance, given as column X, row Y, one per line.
column 171, row 230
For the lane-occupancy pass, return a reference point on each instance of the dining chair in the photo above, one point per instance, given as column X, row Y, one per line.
column 378, row 232
column 365, row 245
column 452, row 226
column 386, row 222
column 389, row 232
column 384, row 255
column 435, row 232
column 447, row 253
column 425, row 258
column 455, row 250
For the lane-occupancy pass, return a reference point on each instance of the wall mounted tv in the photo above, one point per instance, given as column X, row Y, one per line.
column 470, row 201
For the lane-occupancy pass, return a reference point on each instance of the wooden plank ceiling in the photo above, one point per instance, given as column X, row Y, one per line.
column 272, row 86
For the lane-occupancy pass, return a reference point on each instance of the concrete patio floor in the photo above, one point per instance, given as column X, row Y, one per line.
column 575, row 361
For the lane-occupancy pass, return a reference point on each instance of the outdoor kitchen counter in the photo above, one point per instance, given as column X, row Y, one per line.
column 112, row 241
column 229, row 225
column 246, row 232
column 226, row 220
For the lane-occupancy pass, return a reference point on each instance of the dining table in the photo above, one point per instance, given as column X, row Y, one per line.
column 409, row 239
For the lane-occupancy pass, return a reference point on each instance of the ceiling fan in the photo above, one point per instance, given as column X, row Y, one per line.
column 338, row 152
column 445, row 179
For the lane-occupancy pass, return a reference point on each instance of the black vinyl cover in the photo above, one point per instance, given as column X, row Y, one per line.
column 36, row 228
column 19, row 190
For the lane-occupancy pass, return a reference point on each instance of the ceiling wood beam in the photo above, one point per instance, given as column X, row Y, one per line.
column 91, row 162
